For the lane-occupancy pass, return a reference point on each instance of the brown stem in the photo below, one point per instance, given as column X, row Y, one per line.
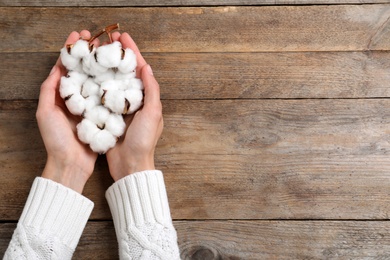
column 107, row 30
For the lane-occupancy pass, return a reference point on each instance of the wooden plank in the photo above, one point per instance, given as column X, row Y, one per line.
column 206, row 29
column 123, row 3
column 231, row 75
column 239, row 159
column 249, row 240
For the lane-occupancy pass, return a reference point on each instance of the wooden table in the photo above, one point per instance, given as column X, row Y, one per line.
column 276, row 142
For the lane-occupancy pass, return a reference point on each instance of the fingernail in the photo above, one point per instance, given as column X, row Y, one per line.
column 149, row 69
column 53, row 70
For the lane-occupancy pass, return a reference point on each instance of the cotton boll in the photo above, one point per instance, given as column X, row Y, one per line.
column 102, row 141
column 108, row 75
column 108, row 85
column 109, row 55
column 86, row 130
column 129, row 62
column 135, row 97
column 134, row 83
column 91, row 102
column 68, row 60
column 91, row 66
column 80, row 49
column 72, row 83
column 90, row 88
column 68, row 87
column 98, row 115
column 115, row 101
column 125, row 76
column 115, row 125
column 76, row 104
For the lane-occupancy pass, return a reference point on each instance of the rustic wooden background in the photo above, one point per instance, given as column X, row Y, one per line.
column 276, row 141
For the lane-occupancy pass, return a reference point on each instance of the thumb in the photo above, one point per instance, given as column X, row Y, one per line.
column 50, row 85
column 152, row 88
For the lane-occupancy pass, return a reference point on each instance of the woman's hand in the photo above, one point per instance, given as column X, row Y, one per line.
column 134, row 152
column 69, row 161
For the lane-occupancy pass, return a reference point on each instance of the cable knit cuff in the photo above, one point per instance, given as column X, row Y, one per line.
column 138, row 199
column 54, row 208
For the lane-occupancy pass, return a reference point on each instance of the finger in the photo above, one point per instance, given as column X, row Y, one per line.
column 152, row 89
column 72, row 38
column 115, row 36
column 84, row 34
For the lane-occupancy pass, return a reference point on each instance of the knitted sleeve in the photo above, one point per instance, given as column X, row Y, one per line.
column 142, row 219
column 51, row 224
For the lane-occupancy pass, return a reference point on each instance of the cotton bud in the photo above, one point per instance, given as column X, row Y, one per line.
column 76, row 104
column 90, row 88
column 134, row 97
column 86, row 130
column 98, row 115
column 80, row 49
column 102, row 141
column 68, row 60
column 110, row 55
column 129, row 62
column 115, row 125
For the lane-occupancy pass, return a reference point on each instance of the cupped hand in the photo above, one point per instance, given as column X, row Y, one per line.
column 134, row 152
column 69, row 161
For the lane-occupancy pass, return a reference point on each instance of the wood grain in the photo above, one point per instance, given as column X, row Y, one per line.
column 74, row 3
column 206, row 29
column 239, row 159
column 249, row 240
column 231, row 75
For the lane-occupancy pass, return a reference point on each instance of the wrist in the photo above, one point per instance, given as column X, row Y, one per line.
column 68, row 174
column 121, row 168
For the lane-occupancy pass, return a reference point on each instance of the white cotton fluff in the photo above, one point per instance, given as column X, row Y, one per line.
column 72, row 83
column 108, row 75
column 80, row 49
column 102, row 141
column 86, row 130
column 124, row 76
column 115, row 125
column 129, row 62
column 134, row 83
column 76, row 104
column 68, row 60
column 110, row 55
column 90, row 88
column 98, row 115
column 91, row 102
column 135, row 97
column 111, row 85
column 115, row 101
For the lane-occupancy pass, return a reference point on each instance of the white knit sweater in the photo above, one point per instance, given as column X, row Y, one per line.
column 54, row 217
